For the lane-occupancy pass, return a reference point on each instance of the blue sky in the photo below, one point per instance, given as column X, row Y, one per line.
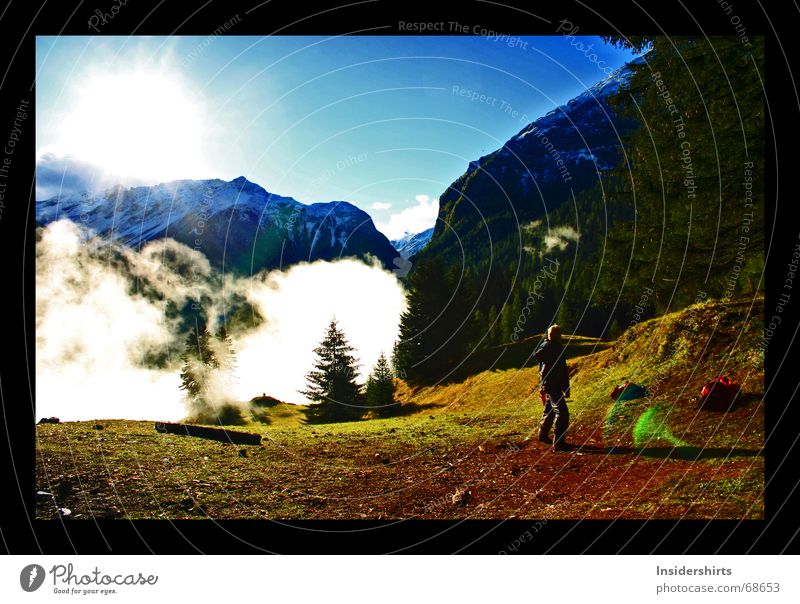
column 386, row 123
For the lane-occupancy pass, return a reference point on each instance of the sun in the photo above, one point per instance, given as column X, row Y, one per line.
column 138, row 124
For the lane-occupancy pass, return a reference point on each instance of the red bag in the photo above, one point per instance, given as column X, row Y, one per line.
column 719, row 394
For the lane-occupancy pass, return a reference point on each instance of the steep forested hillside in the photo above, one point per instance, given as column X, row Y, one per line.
column 640, row 196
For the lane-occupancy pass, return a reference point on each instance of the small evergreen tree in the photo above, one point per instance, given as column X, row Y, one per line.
column 438, row 329
column 399, row 372
column 569, row 315
column 331, row 385
column 225, row 352
column 230, row 412
column 510, row 321
column 199, row 361
column 483, row 326
column 420, row 331
column 493, row 325
column 380, row 388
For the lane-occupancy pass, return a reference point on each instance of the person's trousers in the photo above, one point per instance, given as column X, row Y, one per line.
column 555, row 411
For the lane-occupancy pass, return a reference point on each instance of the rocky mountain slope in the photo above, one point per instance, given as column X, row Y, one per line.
column 535, row 172
column 410, row 244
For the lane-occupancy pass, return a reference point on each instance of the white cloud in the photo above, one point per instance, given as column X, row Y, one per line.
column 381, row 205
column 415, row 219
column 366, row 300
column 532, row 226
column 559, row 237
column 149, row 123
column 95, row 332
column 91, row 337
column 65, row 175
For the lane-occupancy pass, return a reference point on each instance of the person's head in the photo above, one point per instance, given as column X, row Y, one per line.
column 554, row 332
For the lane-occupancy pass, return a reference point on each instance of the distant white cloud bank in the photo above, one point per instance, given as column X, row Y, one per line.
column 415, row 219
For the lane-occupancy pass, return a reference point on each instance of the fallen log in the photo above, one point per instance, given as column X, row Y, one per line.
column 219, row 434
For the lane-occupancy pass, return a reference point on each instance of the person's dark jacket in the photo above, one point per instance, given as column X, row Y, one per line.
column 552, row 366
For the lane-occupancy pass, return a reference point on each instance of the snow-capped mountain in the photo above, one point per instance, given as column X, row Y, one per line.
column 238, row 225
column 411, row 243
column 541, row 167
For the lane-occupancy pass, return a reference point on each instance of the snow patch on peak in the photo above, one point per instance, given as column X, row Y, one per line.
column 519, row 137
column 411, row 243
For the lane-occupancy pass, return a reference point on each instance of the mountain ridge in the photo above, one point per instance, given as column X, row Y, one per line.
column 410, row 244
column 536, row 171
column 237, row 224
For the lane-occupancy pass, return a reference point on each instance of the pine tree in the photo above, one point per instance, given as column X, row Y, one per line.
column 421, row 325
column 480, row 320
column 380, row 388
column 331, row 385
column 510, row 323
column 199, row 362
column 493, row 325
column 398, row 370
column 569, row 315
column 225, row 352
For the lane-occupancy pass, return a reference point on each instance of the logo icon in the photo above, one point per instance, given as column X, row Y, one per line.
column 31, row 577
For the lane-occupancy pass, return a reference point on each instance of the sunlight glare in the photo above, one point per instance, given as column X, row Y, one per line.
column 142, row 124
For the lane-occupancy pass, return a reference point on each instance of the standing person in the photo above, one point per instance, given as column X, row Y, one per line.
column 554, row 388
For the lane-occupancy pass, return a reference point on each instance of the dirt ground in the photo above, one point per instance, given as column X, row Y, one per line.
column 129, row 470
